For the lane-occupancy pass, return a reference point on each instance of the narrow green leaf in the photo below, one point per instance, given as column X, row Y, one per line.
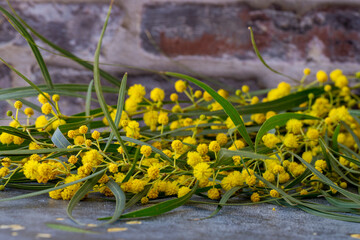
column 279, row 121
column 335, row 144
column 98, row 87
column 59, row 139
column 324, row 179
column 223, row 200
column 40, row 151
column 120, row 200
column 120, row 108
column 67, row 228
column 19, row 27
column 26, row 79
column 263, row 61
column 88, row 99
column 80, row 193
column 227, row 106
column 66, row 53
column 159, row 208
column 137, row 197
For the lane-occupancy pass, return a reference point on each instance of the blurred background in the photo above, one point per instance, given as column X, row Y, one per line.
column 208, row 39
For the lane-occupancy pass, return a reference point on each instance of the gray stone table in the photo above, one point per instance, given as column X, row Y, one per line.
column 30, row 216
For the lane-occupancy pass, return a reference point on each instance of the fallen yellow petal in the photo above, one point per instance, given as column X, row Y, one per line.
column 43, row 235
column 357, row 235
column 116, row 229
column 133, row 222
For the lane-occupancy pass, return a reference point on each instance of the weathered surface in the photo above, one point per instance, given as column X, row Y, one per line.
column 235, row 222
column 219, row 30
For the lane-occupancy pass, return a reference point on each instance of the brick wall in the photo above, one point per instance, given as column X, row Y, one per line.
column 209, row 37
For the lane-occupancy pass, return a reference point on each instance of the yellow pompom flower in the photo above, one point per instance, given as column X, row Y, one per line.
column 327, row 88
column 335, row 74
column 137, row 92
column 202, row 171
column 120, row 150
column 341, row 81
column 6, row 138
column 29, row 112
column 163, row 118
column 214, row 193
column 145, row 150
column 41, row 122
column 223, row 93
column 180, row 86
column 18, row 104
column 307, row 71
column 153, row 172
column 207, row 97
column 43, row 99
column 95, row 135
column 4, row 171
column 30, row 169
column 221, row 138
column 255, row 197
column 245, row 88
column 194, row 158
column 57, row 123
column 56, row 97
column 183, row 191
column 174, row 97
column 83, row 129
column 290, row 141
column 71, row 133
column 274, row 193
column 177, row 145
column 157, row 95
column 321, row 164
column 312, row 134
column 202, row 149
column 270, row 140
column 307, row 156
column 321, row 76
column 214, row 146
column 198, row 94
column 79, row 140
column 72, row 159
column 294, row 126
column 131, row 105
column 46, row 108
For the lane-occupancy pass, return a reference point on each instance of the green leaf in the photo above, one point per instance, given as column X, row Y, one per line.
column 159, row 208
column 335, row 144
column 40, row 151
column 19, row 27
column 120, row 200
column 137, row 197
column 59, row 139
column 227, row 106
column 279, row 121
column 263, row 61
column 67, row 228
column 88, row 99
column 226, row 155
column 66, row 53
column 354, row 197
column 80, row 193
column 223, row 200
column 98, row 87
column 26, row 79
column 120, row 108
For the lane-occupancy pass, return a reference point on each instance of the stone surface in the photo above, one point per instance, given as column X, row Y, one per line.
column 232, row 222
column 201, row 37
column 220, row 30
